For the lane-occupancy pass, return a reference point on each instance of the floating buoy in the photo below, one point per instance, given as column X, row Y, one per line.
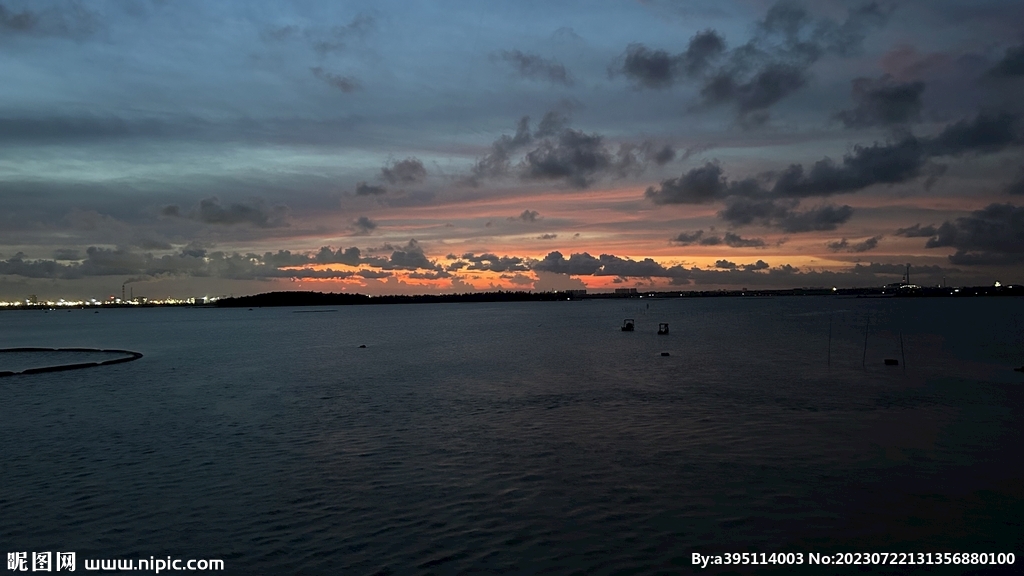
column 362, row 345
column 664, row 353
column 892, row 362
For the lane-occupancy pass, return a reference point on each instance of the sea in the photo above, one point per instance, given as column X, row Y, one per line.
column 521, row 438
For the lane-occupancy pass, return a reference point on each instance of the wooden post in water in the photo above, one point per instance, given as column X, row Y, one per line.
column 830, row 342
column 903, row 355
column 864, row 358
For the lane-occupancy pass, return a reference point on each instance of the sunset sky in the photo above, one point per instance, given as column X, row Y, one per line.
column 209, row 148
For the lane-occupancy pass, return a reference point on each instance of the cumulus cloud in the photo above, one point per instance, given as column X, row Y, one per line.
column 574, row 156
column 490, row 262
column 346, row 84
column 69, row 20
column 211, row 211
column 363, row 226
column 883, row 102
column 992, row 235
column 773, row 197
column 658, row 69
column 754, row 76
column 364, row 189
column 555, row 152
column 527, row 216
column 783, row 214
column 535, row 67
column 844, row 245
column 404, row 172
column 729, row 239
column 917, row 231
column 1012, row 63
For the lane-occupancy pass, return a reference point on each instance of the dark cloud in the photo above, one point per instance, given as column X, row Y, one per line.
column 729, row 239
column 1012, row 63
column 435, row 275
column 496, row 163
column 883, row 102
column 535, row 67
column 492, row 263
column 986, row 132
column 410, row 257
column 784, row 215
column 1017, row 186
column 700, row 185
column 772, row 199
column 688, row 238
column 633, row 159
column 759, row 265
column 404, row 172
column 992, row 235
column 754, row 76
column 844, row 245
column 70, row 20
column 575, row 157
column 527, row 216
column 725, row 264
column 917, row 231
column 736, row 241
column 658, row 69
column 576, row 265
column 346, row 84
column 364, row 189
column 547, row 236
column 758, row 92
column 210, row 211
column 562, row 153
column 364, row 225
column 374, row 274
column 66, row 254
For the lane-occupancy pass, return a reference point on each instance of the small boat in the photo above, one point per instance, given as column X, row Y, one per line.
column 627, row 325
column 663, row 328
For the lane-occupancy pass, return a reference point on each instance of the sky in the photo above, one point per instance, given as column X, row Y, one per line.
column 193, row 148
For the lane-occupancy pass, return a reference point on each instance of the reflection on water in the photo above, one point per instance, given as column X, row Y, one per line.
column 519, row 437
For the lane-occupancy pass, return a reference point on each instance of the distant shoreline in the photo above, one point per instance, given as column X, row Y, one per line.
column 298, row 298
column 308, row 298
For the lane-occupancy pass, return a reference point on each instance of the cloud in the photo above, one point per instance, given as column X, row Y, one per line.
column 658, row 69
column 66, row 254
column 575, row 157
column 917, row 231
column 363, row 226
column 408, row 171
column 992, row 235
column 527, row 216
column 210, row 211
column 410, row 256
column 491, row 262
column 725, row 264
column 1012, row 63
column 346, row 84
column 698, row 186
column 565, row 154
column 496, row 163
column 883, row 102
column 547, row 236
column 1016, row 187
column 783, row 214
column 730, row 239
column 844, row 245
column 69, row 20
column 754, row 76
column 364, row 189
column 534, row 67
